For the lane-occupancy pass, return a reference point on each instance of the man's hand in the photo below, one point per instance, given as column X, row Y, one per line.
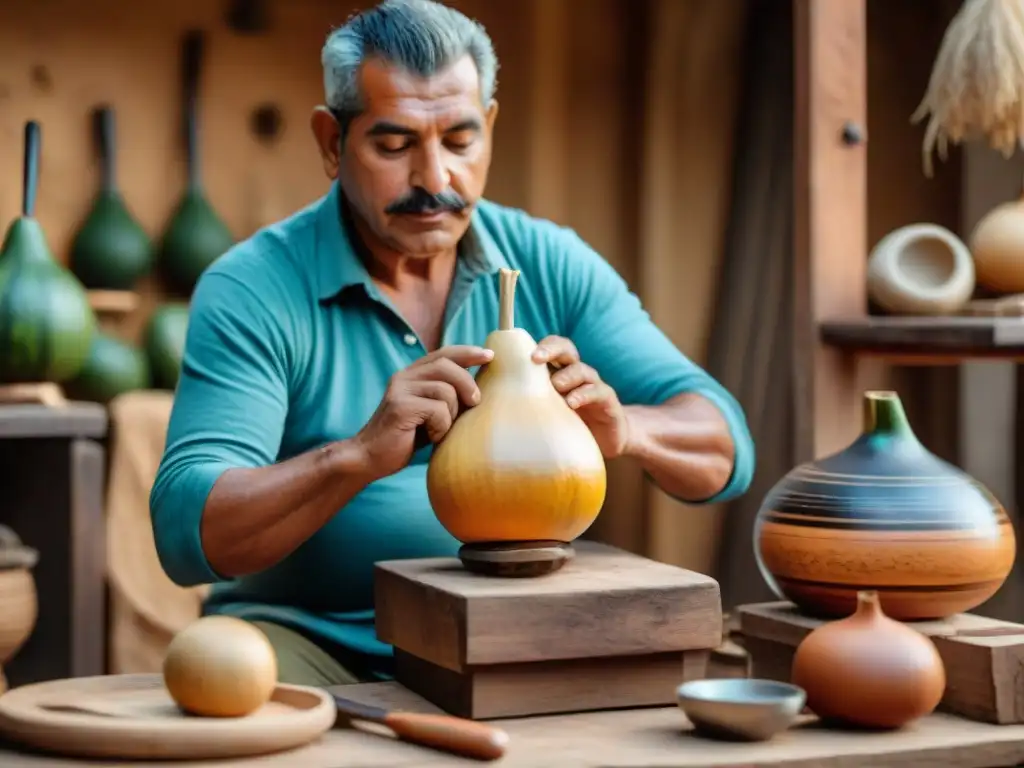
column 594, row 401
column 427, row 394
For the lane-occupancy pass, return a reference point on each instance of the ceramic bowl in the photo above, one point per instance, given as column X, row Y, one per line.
column 740, row 709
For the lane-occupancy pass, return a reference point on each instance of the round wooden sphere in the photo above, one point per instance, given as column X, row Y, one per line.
column 220, row 666
column 997, row 245
column 920, row 269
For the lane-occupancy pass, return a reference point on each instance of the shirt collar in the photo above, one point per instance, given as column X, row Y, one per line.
column 339, row 266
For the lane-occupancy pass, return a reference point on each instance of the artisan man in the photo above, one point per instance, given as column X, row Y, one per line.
column 317, row 348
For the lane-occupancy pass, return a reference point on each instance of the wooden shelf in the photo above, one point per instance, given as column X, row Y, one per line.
column 928, row 340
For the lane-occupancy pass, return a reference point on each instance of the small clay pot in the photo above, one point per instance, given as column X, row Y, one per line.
column 869, row 671
column 883, row 514
column 18, row 601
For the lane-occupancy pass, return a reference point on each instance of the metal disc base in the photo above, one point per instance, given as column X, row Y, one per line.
column 516, row 559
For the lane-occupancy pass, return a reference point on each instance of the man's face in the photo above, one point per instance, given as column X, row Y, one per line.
column 415, row 161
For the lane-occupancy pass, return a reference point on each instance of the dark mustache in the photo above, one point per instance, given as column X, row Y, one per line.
column 421, row 201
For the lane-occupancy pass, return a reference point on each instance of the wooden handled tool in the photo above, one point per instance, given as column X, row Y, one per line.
column 443, row 732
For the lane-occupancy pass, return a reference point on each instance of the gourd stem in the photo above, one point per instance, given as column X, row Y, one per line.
column 105, row 142
column 867, row 602
column 867, row 597
column 507, row 299
column 192, row 62
column 883, row 414
column 31, row 178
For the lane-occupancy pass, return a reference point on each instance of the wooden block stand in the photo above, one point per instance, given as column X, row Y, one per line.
column 609, row 630
column 984, row 658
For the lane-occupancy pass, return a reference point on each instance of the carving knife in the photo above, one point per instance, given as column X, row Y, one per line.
column 443, row 732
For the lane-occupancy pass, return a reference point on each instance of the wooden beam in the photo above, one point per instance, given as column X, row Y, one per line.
column 548, row 159
column 830, row 119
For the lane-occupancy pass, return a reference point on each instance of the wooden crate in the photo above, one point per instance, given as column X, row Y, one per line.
column 609, row 630
column 983, row 657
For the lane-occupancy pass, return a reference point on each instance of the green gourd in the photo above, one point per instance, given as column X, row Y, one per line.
column 113, row 367
column 195, row 236
column 111, row 250
column 165, row 343
column 46, row 323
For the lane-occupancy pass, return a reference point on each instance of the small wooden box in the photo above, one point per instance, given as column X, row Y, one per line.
column 983, row 657
column 611, row 629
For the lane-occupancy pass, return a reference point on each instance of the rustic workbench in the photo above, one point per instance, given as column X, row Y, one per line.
column 53, row 473
column 652, row 738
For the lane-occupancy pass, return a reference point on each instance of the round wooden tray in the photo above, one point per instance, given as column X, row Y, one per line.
column 133, row 716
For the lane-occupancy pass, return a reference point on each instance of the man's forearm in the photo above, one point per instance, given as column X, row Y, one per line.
column 254, row 518
column 683, row 444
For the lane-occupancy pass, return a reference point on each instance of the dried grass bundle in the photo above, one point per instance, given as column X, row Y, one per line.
column 976, row 88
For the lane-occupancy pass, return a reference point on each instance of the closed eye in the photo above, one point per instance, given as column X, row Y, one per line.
column 461, row 141
column 395, row 146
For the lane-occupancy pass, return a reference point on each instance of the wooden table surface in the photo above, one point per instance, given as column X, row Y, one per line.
column 648, row 738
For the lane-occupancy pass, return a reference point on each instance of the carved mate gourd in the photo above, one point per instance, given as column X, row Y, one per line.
column 868, row 670
column 520, row 466
column 46, row 323
column 883, row 514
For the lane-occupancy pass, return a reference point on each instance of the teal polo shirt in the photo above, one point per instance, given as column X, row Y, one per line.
column 290, row 345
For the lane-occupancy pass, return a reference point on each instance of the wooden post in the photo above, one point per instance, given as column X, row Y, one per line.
column 549, row 126
column 830, row 237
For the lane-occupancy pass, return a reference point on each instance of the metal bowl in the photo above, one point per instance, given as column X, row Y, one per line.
column 740, row 709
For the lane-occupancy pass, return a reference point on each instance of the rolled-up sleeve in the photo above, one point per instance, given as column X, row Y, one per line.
column 229, row 411
column 616, row 336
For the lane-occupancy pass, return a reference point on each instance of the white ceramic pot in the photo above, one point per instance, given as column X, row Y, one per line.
column 920, row 269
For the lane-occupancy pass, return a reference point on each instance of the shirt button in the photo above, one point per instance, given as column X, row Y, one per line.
column 409, row 339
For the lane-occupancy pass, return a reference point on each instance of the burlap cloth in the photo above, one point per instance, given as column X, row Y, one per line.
column 147, row 608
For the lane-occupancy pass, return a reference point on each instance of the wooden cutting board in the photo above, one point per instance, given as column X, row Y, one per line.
column 132, row 716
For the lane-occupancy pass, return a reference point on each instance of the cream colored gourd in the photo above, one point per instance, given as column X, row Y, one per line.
column 521, row 465
column 920, row 269
column 997, row 244
column 220, row 666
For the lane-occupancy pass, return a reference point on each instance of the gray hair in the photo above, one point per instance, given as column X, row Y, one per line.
column 420, row 36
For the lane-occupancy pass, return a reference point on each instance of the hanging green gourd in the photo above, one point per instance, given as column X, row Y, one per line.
column 111, row 251
column 112, row 368
column 165, row 343
column 46, row 323
column 195, row 236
